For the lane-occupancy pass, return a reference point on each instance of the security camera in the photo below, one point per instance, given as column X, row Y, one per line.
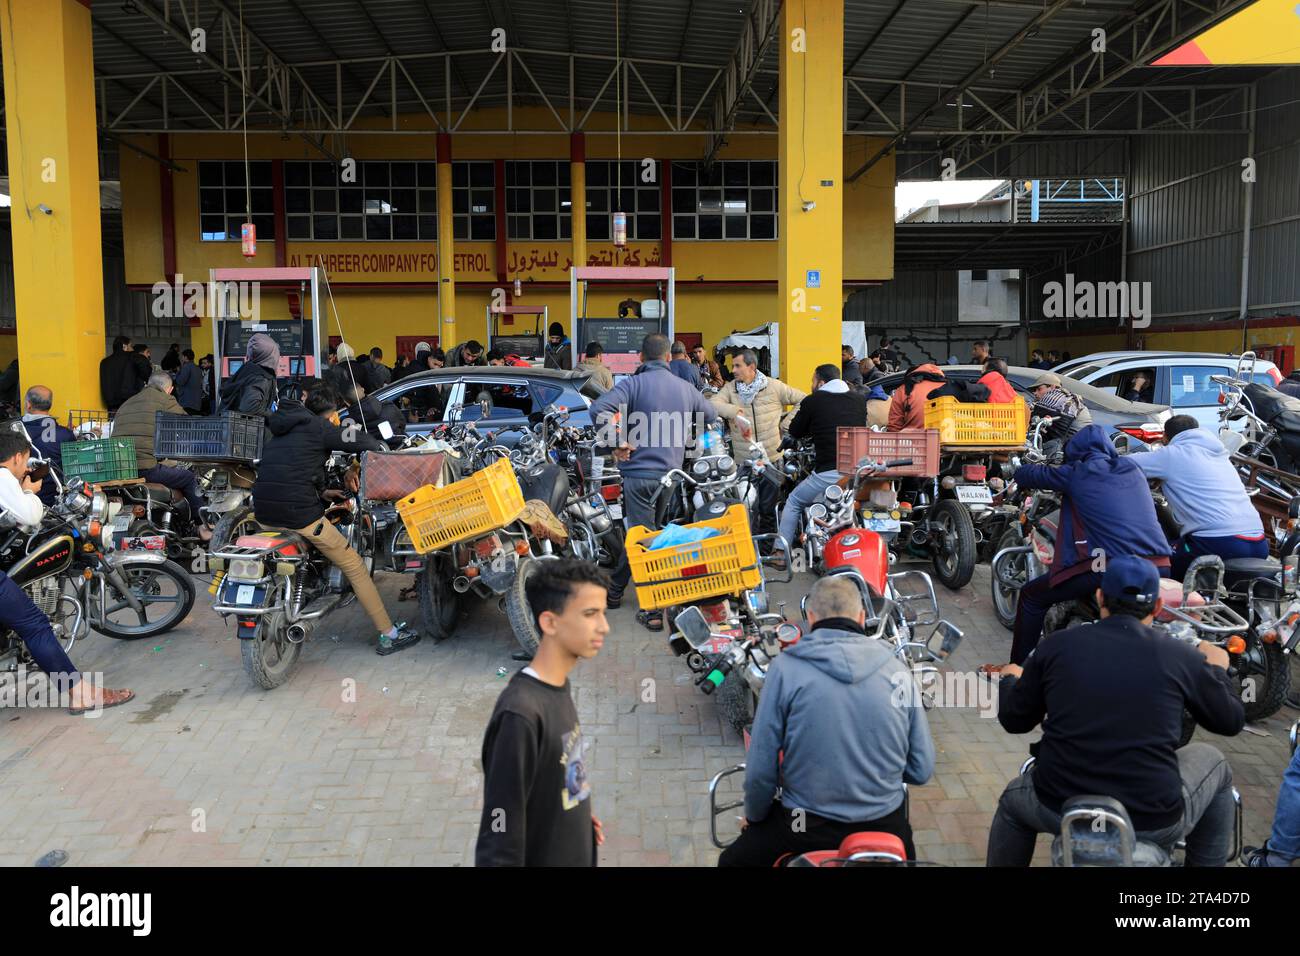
column 45, row 209
column 809, row 205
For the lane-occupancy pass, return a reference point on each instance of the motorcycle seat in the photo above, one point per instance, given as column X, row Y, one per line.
column 875, row 847
column 1103, row 846
column 1239, row 571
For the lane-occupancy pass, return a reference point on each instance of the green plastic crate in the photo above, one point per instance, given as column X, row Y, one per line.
column 104, row 459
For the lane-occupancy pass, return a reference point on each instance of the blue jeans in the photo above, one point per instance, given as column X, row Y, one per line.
column 1285, row 838
column 20, row 615
column 807, row 492
column 1190, row 547
column 1207, row 824
column 643, row 503
column 182, row 479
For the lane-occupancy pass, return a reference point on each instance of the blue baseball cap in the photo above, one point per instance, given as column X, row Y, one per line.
column 1128, row 577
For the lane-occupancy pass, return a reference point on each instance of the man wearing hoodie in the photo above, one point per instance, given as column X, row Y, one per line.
column 831, row 405
column 840, row 729
column 1205, row 494
column 1106, row 511
column 287, row 494
column 253, row 389
column 907, row 407
column 559, row 350
column 995, row 380
column 641, row 400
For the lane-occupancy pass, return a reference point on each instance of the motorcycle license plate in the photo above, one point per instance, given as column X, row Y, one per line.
column 616, row 511
column 241, row 595
column 153, row 542
column 974, row 495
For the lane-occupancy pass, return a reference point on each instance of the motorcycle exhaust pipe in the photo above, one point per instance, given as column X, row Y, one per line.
column 297, row 633
column 460, row 585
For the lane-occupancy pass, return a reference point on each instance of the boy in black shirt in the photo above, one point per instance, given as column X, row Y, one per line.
column 536, row 798
column 1110, row 697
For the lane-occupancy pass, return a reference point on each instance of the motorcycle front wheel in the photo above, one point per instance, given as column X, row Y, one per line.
column 1014, row 567
column 166, row 595
column 270, row 658
column 737, row 702
column 1265, row 680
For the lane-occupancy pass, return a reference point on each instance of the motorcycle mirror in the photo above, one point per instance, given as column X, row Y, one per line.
column 693, row 627
column 951, row 636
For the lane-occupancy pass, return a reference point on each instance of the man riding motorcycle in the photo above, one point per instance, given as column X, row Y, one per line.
column 287, row 494
column 1206, row 495
column 808, row 737
column 1116, row 691
column 1106, row 512
column 832, row 404
column 1067, row 410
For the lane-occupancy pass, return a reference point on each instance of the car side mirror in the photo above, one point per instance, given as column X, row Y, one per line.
column 693, row 627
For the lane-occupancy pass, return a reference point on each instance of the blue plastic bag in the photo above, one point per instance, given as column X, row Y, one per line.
column 675, row 535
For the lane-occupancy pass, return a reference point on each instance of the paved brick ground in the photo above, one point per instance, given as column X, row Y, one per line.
column 203, row 768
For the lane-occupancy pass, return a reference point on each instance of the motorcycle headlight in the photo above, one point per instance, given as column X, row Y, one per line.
column 99, row 506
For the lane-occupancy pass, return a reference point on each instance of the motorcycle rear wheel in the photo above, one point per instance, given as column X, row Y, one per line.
column 954, row 556
column 439, row 602
column 232, row 525
column 270, row 658
column 518, row 612
column 1005, row 600
column 1271, row 669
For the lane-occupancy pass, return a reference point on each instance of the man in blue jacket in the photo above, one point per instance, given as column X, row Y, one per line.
column 1206, row 495
column 656, row 412
column 840, row 729
column 1106, row 511
column 46, row 435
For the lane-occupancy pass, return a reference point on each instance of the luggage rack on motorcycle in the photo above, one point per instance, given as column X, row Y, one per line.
column 1204, row 577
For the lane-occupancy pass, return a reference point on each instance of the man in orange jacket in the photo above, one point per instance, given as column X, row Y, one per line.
column 907, row 409
column 995, row 378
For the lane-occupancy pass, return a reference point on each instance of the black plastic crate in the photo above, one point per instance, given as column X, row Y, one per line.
column 228, row 437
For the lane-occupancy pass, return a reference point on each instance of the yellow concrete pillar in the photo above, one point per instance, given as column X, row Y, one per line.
column 578, row 196
column 811, row 226
column 54, row 188
column 446, row 249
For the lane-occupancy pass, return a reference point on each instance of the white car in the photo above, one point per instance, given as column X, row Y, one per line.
column 1180, row 380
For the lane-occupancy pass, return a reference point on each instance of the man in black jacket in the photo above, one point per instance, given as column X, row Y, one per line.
column 369, row 412
column 287, row 494
column 1116, row 691
column 122, row 373
column 831, row 404
column 850, row 368
column 253, row 389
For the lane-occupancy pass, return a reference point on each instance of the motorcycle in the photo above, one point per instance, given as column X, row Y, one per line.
column 277, row 587
column 1267, row 421
column 69, row 570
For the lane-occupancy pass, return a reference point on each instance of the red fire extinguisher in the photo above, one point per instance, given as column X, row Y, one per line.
column 248, row 238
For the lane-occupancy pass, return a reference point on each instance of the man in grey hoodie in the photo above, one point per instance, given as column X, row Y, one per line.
column 1205, row 494
column 840, row 728
column 656, row 410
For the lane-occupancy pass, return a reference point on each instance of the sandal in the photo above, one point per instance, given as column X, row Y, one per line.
column 108, row 698
column 650, row 620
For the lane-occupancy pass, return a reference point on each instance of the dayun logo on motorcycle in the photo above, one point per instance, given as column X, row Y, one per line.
column 76, row 909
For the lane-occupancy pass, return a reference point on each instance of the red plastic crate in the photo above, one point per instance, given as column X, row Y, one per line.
column 919, row 444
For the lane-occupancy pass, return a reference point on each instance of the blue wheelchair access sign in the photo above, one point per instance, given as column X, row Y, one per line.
column 814, row 279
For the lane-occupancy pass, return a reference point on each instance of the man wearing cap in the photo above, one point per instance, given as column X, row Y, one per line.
column 1116, row 691
column 1106, row 512
column 1051, row 400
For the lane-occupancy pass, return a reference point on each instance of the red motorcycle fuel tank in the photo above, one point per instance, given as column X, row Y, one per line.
column 50, row 557
column 862, row 550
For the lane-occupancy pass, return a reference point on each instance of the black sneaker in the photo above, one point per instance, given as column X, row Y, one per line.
column 613, row 601
column 391, row 645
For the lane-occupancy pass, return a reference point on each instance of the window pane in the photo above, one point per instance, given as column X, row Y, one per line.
column 428, row 201
column 762, row 200
column 1191, row 385
column 233, row 224
column 684, row 174
column 234, row 200
column 235, row 174
column 518, row 227
column 597, row 227
column 683, row 227
column 351, row 199
column 265, row 226
column 379, row 227
column 350, row 227
column 543, row 174
column 404, row 227
column 325, row 227
column 597, row 174
column 427, row 174
column 481, row 200
column 517, row 200
column 762, row 174
column 325, row 200
column 598, row 200
column 324, row 174
column 484, row 227
column 460, row 227
column 543, row 200
column 481, row 174
column 403, row 201
column 263, row 201
column 647, row 200
column 211, row 200
column 711, row 177
column 460, row 201
column 566, row 228
column 710, row 227
column 647, row 226
column 213, row 227
column 299, row 227
column 378, row 206
column 735, row 174
column 684, row 199
column 374, row 174
column 429, row 227
column 735, row 227
column 209, row 174
column 261, row 174
column 563, row 171
column 523, row 173
column 459, row 174
column 762, row 227
column 546, row 227
column 403, row 174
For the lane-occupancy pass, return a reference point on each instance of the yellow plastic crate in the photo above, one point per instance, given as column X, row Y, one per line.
column 724, row 564
column 465, row 509
column 977, row 423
